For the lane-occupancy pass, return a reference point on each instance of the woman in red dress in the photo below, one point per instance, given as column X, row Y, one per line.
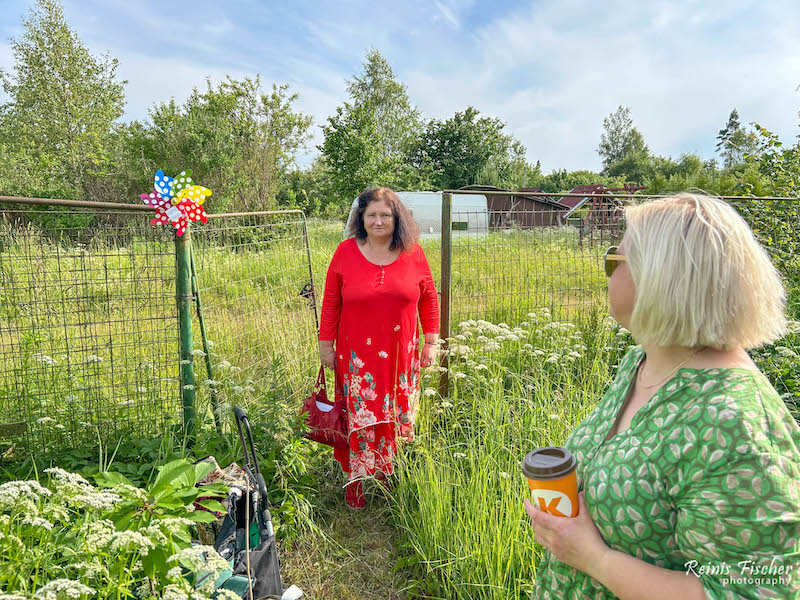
column 377, row 285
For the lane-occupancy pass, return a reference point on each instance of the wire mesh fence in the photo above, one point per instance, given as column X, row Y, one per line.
column 87, row 321
column 547, row 252
column 89, row 332
column 89, row 342
column 259, row 305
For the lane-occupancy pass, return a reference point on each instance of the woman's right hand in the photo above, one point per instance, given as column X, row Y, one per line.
column 327, row 355
column 328, row 360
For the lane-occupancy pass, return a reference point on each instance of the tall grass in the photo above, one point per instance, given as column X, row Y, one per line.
column 458, row 502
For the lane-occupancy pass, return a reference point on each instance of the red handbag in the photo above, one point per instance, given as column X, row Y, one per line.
column 326, row 420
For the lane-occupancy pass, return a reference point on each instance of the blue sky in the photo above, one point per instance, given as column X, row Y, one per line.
column 552, row 69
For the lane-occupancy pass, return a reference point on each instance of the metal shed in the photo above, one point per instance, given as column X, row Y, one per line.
column 470, row 212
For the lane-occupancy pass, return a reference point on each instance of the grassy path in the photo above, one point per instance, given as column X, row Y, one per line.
column 351, row 555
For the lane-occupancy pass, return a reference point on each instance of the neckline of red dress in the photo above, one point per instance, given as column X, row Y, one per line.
column 358, row 249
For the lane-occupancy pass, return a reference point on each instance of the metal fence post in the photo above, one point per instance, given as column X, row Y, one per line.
column 445, row 287
column 183, row 290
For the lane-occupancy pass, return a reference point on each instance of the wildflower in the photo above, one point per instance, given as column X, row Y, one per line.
column 491, row 347
column 48, row 360
column 503, row 325
column 37, row 522
column 93, row 359
column 197, row 353
column 622, row 332
column 459, row 455
column 429, row 392
column 574, row 354
column 481, row 339
column 212, row 383
column 538, row 352
column 447, row 404
column 45, row 420
column 459, row 375
column 131, row 492
column 223, row 594
column 201, row 558
column 95, row 499
column 551, row 359
column 69, row 588
column 63, row 476
column 505, row 475
column 786, row 352
column 186, row 362
column 131, row 541
column 173, row 525
column 189, row 387
column 88, row 569
column 175, row 573
column 555, row 417
column 481, row 367
column 223, row 365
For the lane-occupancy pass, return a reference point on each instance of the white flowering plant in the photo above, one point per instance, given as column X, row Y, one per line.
column 73, row 539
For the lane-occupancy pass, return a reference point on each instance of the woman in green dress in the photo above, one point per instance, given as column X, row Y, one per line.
column 689, row 467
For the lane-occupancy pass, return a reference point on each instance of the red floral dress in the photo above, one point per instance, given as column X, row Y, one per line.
column 371, row 312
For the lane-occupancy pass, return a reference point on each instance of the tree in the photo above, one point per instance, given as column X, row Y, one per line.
column 465, row 149
column 397, row 121
column 367, row 141
column 239, row 140
column 58, row 123
column 734, row 142
column 620, row 139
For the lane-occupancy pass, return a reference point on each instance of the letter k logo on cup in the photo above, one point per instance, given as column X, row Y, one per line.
column 553, row 502
column 552, row 480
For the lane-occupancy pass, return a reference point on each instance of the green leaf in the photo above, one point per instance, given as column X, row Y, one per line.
column 108, row 479
column 213, row 505
column 202, row 469
column 201, row 516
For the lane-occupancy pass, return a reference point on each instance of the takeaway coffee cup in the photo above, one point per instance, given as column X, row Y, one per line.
column 552, row 480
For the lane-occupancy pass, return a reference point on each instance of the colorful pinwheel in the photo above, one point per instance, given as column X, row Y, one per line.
column 177, row 200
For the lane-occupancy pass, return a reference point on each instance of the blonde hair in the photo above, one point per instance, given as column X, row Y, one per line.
column 701, row 277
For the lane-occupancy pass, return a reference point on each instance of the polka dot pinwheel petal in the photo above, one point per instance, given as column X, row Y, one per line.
column 193, row 211
column 197, row 193
column 154, row 200
column 163, row 184
column 181, row 182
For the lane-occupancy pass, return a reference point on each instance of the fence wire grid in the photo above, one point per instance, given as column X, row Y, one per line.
column 89, row 342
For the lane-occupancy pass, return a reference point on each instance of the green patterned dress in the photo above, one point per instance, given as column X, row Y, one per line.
column 706, row 478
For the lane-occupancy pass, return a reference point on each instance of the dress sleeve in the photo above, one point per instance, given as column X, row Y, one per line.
column 332, row 300
column 428, row 305
column 736, row 488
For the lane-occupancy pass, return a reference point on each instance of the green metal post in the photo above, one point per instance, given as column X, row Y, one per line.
column 206, row 349
column 447, row 264
column 183, row 290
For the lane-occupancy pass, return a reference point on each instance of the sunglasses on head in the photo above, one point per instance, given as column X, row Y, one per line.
column 612, row 259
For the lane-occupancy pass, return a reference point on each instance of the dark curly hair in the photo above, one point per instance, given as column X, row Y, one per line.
column 406, row 231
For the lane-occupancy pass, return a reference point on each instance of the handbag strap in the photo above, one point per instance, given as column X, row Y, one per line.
column 320, row 385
